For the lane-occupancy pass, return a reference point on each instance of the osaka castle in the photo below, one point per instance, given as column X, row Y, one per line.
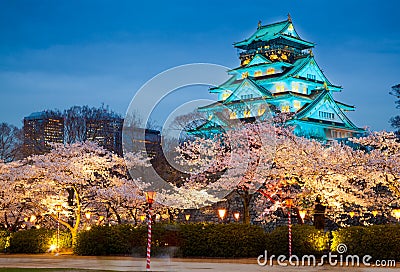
column 278, row 72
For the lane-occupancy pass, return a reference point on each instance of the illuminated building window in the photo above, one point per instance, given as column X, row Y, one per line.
column 270, row 71
column 246, row 61
column 257, row 73
column 295, row 86
column 285, row 108
column 246, row 113
column 280, row 87
column 225, row 95
column 261, row 110
column 305, row 90
column 232, row 115
column 245, row 74
column 296, row 104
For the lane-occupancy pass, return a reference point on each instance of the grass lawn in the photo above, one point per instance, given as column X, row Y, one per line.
column 49, row 270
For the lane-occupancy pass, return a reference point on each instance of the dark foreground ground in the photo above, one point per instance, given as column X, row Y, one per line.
column 64, row 263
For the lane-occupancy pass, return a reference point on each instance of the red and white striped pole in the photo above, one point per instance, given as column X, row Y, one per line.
column 290, row 232
column 149, row 199
column 148, row 239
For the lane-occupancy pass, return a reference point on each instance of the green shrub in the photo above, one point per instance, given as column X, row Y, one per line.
column 379, row 241
column 37, row 241
column 306, row 240
column 221, row 240
column 4, row 240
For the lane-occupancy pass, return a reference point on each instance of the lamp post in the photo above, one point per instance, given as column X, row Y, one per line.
column 150, row 200
column 289, row 204
column 221, row 214
column 58, row 210
column 87, row 215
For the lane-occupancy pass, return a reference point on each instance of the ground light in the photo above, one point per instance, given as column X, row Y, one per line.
column 150, row 200
column 396, row 213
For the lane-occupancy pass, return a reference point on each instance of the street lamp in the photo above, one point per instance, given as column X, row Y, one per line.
column 302, row 214
column 150, row 200
column 374, row 213
column 236, row 215
column 221, row 213
column 58, row 208
column 187, row 217
column 352, row 214
column 289, row 203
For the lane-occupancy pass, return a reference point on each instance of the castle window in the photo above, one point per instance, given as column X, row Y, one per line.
column 280, row 87
column 295, row 86
column 257, row 73
column 296, row 104
column 311, row 76
column 270, row 71
column 247, row 96
column 246, row 113
column 232, row 115
column 305, row 90
column 225, row 95
column 326, row 115
column 285, row 108
column 261, row 110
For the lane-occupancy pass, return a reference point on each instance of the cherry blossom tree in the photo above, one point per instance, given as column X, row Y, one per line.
column 77, row 178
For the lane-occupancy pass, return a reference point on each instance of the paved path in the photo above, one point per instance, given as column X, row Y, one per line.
column 161, row 264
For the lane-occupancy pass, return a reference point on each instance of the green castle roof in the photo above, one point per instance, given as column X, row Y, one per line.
column 272, row 32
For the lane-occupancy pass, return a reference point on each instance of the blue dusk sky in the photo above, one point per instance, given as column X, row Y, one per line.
column 55, row 54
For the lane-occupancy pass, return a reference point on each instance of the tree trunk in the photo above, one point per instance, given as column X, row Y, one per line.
column 246, row 198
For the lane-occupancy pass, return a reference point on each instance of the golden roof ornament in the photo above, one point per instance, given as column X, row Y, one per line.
column 289, row 18
column 325, row 85
column 259, row 24
column 311, row 53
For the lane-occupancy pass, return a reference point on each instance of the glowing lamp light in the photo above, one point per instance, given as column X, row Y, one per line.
column 352, row 214
column 53, row 247
column 88, row 228
column 87, row 215
column 236, row 215
column 396, row 213
column 302, row 214
column 142, row 217
column 374, row 213
column 150, row 196
column 58, row 207
column 187, row 217
column 33, row 218
column 289, row 202
column 221, row 213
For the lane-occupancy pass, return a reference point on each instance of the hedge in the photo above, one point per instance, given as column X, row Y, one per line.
column 37, row 241
column 305, row 240
column 381, row 242
column 211, row 240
